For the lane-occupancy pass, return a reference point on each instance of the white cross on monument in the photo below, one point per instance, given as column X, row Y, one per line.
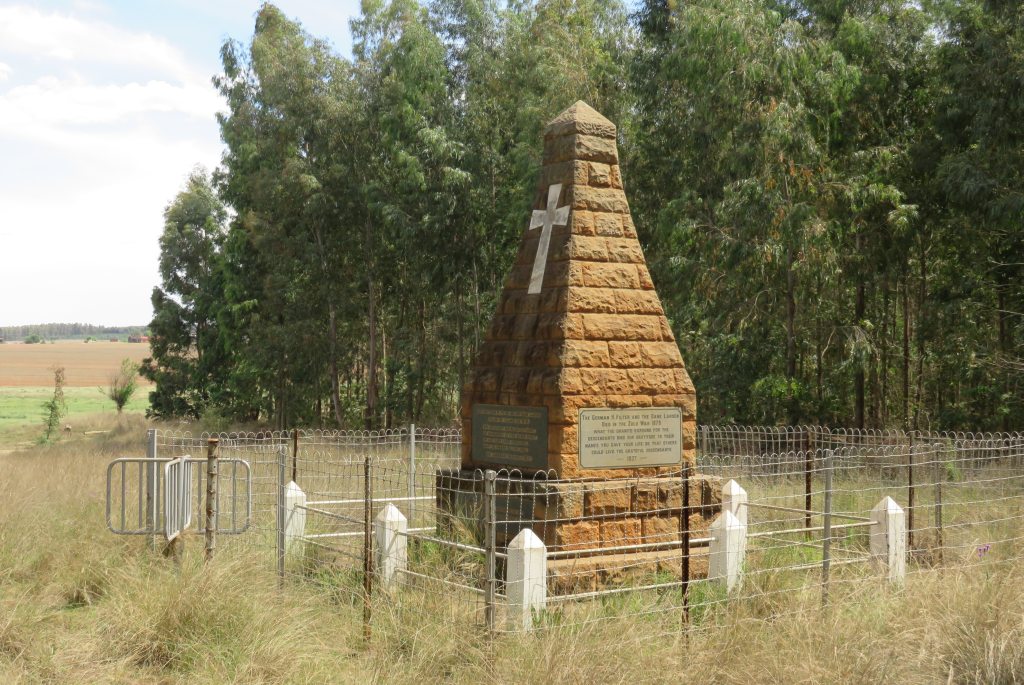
column 546, row 218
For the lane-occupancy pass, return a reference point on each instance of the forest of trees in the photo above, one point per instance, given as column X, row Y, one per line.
column 829, row 194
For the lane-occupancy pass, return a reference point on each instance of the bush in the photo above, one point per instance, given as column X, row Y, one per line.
column 123, row 384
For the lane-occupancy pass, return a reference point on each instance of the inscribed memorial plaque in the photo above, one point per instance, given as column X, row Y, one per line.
column 516, row 436
column 630, row 438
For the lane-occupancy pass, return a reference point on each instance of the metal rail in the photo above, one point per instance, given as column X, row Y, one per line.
column 645, row 546
column 376, row 500
column 614, row 591
column 407, row 572
column 790, row 531
column 152, row 501
column 794, row 510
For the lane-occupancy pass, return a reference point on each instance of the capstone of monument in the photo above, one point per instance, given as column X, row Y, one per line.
column 579, row 387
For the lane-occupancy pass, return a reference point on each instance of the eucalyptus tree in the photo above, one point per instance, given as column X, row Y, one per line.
column 875, row 219
column 730, row 166
column 187, row 360
column 980, row 172
column 280, row 174
column 411, row 184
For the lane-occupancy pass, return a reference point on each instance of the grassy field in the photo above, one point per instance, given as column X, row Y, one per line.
column 86, row 365
column 78, row 604
column 22, row 412
column 26, row 382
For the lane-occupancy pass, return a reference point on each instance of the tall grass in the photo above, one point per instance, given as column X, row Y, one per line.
column 78, row 604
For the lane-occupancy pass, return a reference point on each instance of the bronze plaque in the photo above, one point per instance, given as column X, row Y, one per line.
column 514, row 436
column 630, row 438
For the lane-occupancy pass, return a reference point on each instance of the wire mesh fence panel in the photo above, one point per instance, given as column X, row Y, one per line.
column 771, row 520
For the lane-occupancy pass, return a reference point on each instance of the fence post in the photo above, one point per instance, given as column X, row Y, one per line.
column 734, row 498
column 390, row 530
column 367, row 545
column 294, row 515
column 728, row 542
column 826, row 534
column 412, row 469
column 295, row 455
column 281, row 522
column 684, row 538
column 808, row 481
column 490, row 545
column 910, row 494
column 938, row 501
column 151, row 488
column 211, row 497
column 526, row 583
column 889, row 538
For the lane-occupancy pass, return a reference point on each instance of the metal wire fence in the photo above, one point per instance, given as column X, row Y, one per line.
column 770, row 519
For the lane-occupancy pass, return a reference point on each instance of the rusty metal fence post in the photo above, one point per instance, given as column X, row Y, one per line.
column 295, row 455
column 826, row 533
column 367, row 544
column 808, row 479
column 411, row 473
column 211, row 497
column 490, row 540
column 910, row 495
column 684, row 537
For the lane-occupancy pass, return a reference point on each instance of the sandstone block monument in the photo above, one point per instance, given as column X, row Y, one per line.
column 579, row 385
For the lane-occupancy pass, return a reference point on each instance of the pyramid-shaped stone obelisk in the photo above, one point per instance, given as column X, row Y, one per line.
column 578, row 326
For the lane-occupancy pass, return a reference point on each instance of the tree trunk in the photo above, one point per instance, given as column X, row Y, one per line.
column 906, row 348
column 884, row 337
column 459, row 332
column 858, row 377
column 370, row 417
column 1005, row 343
column 922, row 293
column 791, row 330
column 389, row 377
column 332, row 335
column 421, row 326
column 476, row 308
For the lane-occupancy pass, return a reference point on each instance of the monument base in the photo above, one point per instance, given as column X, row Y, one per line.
column 597, row 532
column 587, row 574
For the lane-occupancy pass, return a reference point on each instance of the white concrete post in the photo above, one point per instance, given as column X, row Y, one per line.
column 294, row 514
column 728, row 545
column 734, row 499
column 889, row 538
column 391, row 544
column 526, row 585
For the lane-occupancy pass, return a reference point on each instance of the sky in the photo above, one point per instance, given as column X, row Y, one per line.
column 105, row 109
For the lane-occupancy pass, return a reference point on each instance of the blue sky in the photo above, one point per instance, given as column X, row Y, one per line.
column 105, row 107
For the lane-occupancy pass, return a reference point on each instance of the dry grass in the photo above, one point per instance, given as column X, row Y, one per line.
column 78, row 604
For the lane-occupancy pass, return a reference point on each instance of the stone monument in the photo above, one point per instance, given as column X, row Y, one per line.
column 579, row 385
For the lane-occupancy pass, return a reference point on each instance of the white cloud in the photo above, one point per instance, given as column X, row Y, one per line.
column 53, row 101
column 30, row 32
column 99, row 128
column 89, row 6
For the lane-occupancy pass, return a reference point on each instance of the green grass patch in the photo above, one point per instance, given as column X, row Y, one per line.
column 22, row 412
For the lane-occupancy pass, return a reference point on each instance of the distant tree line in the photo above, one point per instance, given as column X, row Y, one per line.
column 67, row 331
column 829, row 195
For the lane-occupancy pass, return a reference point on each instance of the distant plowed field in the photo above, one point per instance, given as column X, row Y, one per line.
column 85, row 364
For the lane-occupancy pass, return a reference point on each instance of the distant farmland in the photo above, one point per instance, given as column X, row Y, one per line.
column 85, row 364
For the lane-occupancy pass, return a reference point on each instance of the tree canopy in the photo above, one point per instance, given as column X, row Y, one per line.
column 829, row 196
